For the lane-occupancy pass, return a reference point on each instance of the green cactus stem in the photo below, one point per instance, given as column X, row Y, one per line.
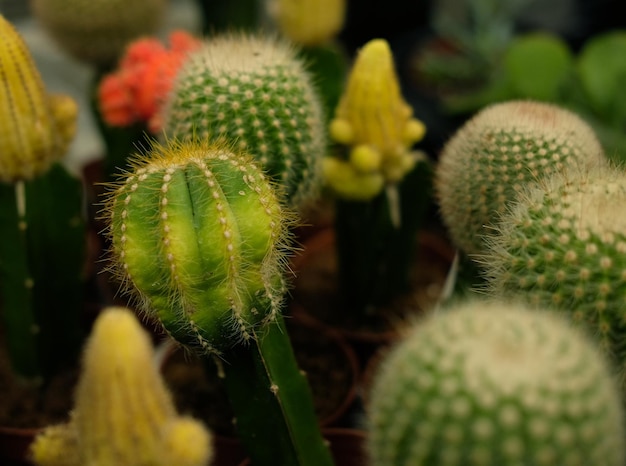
column 495, row 383
column 200, row 238
column 496, row 153
column 563, row 245
column 253, row 90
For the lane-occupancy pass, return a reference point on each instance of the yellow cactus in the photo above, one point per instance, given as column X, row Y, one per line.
column 124, row 414
column 375, row 121
column 309, row 22
column 35, row 128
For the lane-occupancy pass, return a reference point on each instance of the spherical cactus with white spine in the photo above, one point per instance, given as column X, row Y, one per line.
column 563, row 244
column 495, row 383
column 496, row 153
column 255, row 91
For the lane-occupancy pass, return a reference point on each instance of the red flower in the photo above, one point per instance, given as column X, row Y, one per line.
column 137, row 90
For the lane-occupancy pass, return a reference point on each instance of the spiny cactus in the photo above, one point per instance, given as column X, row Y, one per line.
column 308, row 22
column 563, row 245
column 495, row 154
column 252, row 90
column 41, row 225
column 124, row 415
column 97, row 31
column 200, row 237
column 495, row 383
column 375, row 121
column 35, row 127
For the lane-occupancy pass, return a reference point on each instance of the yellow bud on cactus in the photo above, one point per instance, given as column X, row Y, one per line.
column 365, row 159
column 372, row 112
column 35, row 128
column 349, row 183
column 124, row 414
column 309, row 22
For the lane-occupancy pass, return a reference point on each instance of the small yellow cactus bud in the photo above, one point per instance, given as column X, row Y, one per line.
column 365, row 158
column 124, row 414
column 372, row 113
column 350, row 184
column 31, row 135
column 308, row 22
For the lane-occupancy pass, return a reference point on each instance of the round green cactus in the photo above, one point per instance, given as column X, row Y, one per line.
column 253, row 90
column 496, row 153
column 492, row 383
column 97, row 31
column 563, row 244
column 199, row 237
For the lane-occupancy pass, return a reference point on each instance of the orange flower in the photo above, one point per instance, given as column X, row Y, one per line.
column 136, row 91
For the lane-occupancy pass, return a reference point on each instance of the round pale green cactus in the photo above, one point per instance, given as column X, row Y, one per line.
column 253, row 90
column 563, row 244
column 199, row 237
column 493, row 383
column 97, row 31
column 496, row 153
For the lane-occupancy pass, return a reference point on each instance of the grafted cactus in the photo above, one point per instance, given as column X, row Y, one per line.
column 563, row 245
column 200, row 238
column 124, row 414
column 500, row 150
column 254, row 91
column 494, row 383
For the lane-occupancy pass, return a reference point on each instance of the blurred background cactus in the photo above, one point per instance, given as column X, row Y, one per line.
column 42, row 252
column 124, row 414
column 255, row 91
column 562, row 245
column 200, row 238
column 494, row 383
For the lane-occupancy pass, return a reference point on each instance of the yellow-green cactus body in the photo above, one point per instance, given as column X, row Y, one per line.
column 308, row 22
column 35, row 128
column 497, row 153
column 375, row 121
column 97, row 31
column 124, row 415
column 495, row 384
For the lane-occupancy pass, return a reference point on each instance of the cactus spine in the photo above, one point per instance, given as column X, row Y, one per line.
column 562, row 245
column 495, row 383
column 40, row 217
column 496, row 153
column 97, row 31
column 124, row 414
column 200, row 237
column 254, row 91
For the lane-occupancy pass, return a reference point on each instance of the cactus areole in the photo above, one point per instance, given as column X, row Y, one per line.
column 199, row 238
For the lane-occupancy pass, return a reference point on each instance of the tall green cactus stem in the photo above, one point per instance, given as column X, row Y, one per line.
column 563, row 245
column 200, row 237
column 494, row 383
column 97, row 31
column 124, row 414
column 41, row 226
column 495, row 154
column 254, row 91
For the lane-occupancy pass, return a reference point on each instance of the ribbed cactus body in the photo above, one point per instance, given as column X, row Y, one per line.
column 198, row 235
column 564, row 245
column 97, row 31
column 35, row 128
column 496, row 153
column 254, row 92
column 489, row 383
column 124, row 414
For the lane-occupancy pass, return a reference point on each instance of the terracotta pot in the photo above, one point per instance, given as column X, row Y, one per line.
column 347, row 447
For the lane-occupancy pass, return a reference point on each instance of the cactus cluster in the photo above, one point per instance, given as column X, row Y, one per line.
column 124, row 414
column 496, row 153
column 376, row 123
column 563, row 245
column 495, row 383
column 253, row 90
column 97, row 31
